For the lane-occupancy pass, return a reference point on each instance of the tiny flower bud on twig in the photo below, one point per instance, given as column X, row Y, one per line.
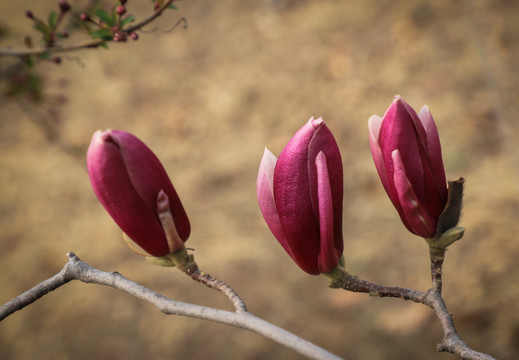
column 120, row 37
column 85, row 17
column 64, row 6
column 121, row 10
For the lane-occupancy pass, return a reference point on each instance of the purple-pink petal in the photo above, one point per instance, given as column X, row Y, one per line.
column 114, row 189
column 301, row 213
column 407, row 154
column 291, row 192
column 324, row 142
column 127, row 177
column 148, row 176
column 398, row 132
column 413, row 214
column 434, row 151
column 328, row 256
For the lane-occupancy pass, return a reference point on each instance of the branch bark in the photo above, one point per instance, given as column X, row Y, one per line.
column 76, row 269
column 432, row 298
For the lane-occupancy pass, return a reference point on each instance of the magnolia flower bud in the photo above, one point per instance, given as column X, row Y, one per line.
column 300, row 197
column 132, row 185
column 407, row 154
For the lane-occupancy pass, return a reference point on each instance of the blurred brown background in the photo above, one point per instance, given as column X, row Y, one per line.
column 244, row 75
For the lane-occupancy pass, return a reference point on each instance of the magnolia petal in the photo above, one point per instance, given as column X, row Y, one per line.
column 149, row 177
column 418, row 180
column 434, row 150
column 374, row 123
column 266, row 201
column 328, row 257
column 418, row 126
column 289, row 197
column 399, row 132
column 324, row 142
column 413, row 214
column 114, row 189
column 293, row 200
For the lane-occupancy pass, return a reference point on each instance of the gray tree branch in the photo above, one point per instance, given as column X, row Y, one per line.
column 76, row 269
column 432, row 298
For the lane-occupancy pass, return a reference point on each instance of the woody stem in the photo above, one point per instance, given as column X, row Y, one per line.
column 185, row 263
column 437, row 256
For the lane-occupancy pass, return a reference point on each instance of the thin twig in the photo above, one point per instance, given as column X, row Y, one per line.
column 35, row 293
column 432, row 298
column 186, row 263
column 84, row 45
column 75, row 269
column 437, row 257
column 342, row 279
column 219, row 285
column 451, row 341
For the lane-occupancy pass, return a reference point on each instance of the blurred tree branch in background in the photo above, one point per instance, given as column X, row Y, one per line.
column 24, row 82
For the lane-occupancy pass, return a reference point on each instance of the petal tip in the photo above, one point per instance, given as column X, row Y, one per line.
column 316, row 123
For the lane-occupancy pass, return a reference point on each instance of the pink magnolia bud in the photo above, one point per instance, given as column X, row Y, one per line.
column 300, row 197
column 407, row 154
column 132, row 185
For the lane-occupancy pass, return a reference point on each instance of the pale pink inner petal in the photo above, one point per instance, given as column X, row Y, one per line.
column 374, row 124
column 266, row 200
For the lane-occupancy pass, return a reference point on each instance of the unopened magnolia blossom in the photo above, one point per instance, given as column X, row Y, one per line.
column 407, row 154
column 300, row 196
column 132, row 185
